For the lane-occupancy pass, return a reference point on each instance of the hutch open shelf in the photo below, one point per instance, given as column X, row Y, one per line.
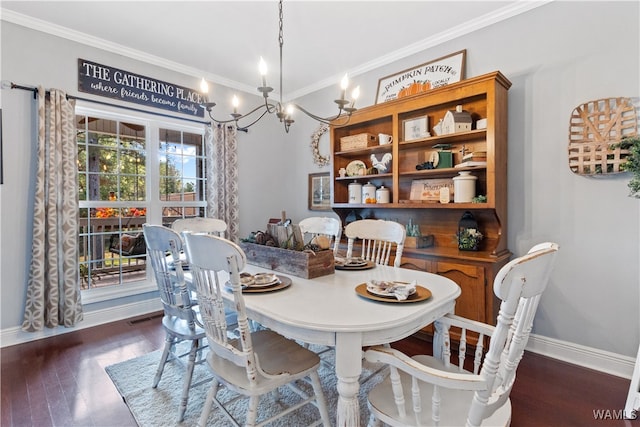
column 483, row 97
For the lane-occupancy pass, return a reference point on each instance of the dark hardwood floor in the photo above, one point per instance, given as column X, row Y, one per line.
column 61, row 381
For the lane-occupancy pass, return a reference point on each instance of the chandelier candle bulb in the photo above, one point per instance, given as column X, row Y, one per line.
column 354, row 96
column 344, row 84
column 235, row 102
column 262, row 67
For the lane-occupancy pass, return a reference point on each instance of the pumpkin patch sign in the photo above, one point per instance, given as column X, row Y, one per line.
column 430, row 75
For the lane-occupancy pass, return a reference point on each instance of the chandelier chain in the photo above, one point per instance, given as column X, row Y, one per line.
column 345, row 107
column 280, row 43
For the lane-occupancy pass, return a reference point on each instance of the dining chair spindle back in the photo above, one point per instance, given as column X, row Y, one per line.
column 180, row 321
column 379, row 237
column 436, row 388
column 323, row 226
column 200, row 225
column 257, row 362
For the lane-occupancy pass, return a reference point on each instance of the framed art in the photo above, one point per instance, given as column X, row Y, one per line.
column 417, row 128
column 319, row 191
column 430, row 75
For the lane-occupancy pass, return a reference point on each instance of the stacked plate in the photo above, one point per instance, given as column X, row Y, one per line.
column 399, row 290
column 353, row 263
column 262, row 282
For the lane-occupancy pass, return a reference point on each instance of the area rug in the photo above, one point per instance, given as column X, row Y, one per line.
column 159, row 407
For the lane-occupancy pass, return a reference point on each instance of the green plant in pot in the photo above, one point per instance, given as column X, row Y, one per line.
column 468, row 234
column 469, row 239
column 632, row 144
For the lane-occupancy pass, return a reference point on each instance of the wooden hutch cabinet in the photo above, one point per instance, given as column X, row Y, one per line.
column 483, row 97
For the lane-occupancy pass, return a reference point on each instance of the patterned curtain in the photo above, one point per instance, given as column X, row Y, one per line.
column 53, row 289
column 222, row 177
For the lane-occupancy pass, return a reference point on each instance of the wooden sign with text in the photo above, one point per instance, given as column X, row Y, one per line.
column 114, row 83
column 439, row 72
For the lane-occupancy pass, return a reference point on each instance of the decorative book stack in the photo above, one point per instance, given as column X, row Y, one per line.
column 475, row 158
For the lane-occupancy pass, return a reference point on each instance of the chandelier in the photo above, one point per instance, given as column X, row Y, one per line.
column 282, row 112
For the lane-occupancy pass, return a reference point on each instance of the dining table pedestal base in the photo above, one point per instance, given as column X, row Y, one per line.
column 348, row 370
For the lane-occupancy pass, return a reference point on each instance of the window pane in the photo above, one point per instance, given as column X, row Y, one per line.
column 113, row 158
column 171, row 213
column 111, row 166
column 111, row 247
column 181, row 165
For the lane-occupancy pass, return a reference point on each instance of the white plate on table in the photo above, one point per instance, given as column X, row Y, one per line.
column 421, row 294
column 350, row 262
column 387, row 289
column 281, row 282
column 259, row 280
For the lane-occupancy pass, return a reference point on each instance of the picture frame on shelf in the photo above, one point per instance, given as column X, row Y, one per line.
column 319, row 191
column 417, row 128
column 438, row 72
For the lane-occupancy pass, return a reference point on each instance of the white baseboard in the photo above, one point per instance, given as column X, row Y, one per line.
column 588, row 357
column 16, row 335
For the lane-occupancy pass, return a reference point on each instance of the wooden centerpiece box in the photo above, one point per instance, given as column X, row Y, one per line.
column 305, row 264
column 418, row 242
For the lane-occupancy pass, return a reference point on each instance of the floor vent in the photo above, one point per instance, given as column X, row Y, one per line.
column 145, row 319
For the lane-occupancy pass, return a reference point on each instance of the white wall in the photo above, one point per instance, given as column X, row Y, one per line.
column 557, row 56
column 32, row 58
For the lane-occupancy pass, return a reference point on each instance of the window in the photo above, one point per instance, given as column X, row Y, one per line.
column 181, row 169
column 131, row 171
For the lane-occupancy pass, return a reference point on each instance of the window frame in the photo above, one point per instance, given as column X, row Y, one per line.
column 154, row 206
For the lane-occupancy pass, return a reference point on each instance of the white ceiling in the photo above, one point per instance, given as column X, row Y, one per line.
column 223, row 40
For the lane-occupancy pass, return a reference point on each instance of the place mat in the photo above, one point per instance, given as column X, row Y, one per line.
column 421, row 294
column 368, row 265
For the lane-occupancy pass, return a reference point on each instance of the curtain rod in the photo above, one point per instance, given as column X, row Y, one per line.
column 11, row 85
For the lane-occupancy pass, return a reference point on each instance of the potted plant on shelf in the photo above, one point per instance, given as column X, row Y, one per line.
column 469, row 239
column 468, row 234
column 632, row 164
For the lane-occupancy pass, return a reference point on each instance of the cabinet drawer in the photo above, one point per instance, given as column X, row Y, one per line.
column 416, row 264
column 471, row 279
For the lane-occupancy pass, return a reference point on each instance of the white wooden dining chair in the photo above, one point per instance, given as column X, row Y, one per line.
column 257, row 362
column 214, row 226
column 180, row 321
column 379, row 237
column 324, row 226
column 433, row 390
column 200, row 225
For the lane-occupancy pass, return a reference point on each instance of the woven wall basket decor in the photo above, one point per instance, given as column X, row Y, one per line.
column 594, row 129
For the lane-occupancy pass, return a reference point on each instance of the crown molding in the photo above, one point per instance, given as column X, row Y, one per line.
column 476, row 24
column 86, row 39
column 421, row 45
